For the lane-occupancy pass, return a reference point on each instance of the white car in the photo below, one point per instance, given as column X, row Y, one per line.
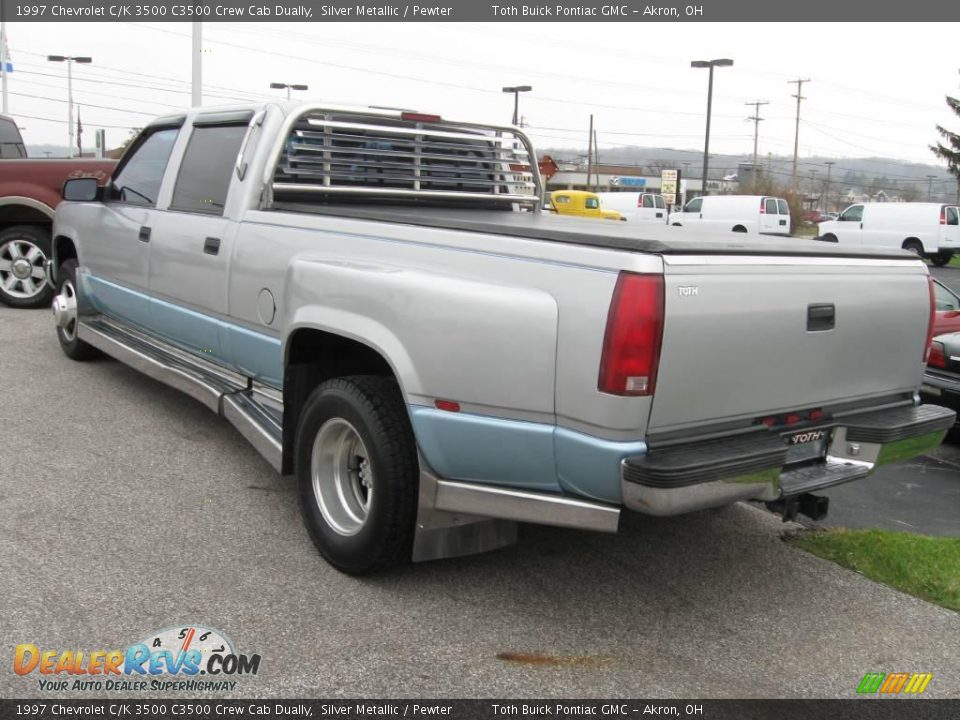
column 636, row 207
column 753, row 214
column 931, row 230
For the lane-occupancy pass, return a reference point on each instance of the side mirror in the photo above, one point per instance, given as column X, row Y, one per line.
column 81, row 190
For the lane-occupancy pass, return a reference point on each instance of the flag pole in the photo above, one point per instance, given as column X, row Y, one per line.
column 3, row 63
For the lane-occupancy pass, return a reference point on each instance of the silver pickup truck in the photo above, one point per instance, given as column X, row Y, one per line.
column 377, row 303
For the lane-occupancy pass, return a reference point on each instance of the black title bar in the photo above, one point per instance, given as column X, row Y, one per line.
column 858, row 11
column 127, row 708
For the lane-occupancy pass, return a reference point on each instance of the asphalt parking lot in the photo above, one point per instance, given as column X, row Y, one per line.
column 128, row 508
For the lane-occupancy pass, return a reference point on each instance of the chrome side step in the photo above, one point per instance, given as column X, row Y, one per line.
column 157, row 362
column 256, row 425
column 222, row 392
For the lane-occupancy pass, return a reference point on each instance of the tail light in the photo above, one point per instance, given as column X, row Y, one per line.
column 943, row 215
column 937, row 357
column 763, row 206
column 932, row 319
column 631, row 344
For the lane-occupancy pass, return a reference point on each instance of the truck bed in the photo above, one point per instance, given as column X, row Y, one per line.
column 607, row 234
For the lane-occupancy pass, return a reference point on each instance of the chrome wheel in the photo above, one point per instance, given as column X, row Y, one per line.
column 21, row 269
column 342, row 476
column 65, row 311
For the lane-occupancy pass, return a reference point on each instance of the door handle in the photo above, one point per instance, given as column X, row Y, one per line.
column 144, row 235
column 211, row 246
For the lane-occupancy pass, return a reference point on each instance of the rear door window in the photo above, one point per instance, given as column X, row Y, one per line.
column 784, row 208
column 207, row 167
column 658, row 201
column 770, row 206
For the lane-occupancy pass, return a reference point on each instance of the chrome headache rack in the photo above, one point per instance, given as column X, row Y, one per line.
column 338, row 156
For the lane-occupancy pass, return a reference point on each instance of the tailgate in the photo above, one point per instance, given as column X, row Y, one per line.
column 746, row 337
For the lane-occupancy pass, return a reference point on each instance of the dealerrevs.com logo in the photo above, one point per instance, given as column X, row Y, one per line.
column 189, row 658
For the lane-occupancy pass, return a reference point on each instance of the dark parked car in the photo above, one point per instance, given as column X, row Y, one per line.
column 941, row 381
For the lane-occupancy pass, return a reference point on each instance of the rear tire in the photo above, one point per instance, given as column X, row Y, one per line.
column 357, row 473
column 941, row 258
column 829, row 237
column 913, row 246
column 23, row 251
column 739, row 229
column 677, row 225
column 71, row 344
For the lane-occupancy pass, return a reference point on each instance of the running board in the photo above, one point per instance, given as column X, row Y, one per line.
column 222, row 392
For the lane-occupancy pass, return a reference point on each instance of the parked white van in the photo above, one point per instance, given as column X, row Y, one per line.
column 931, row 230
column 636, row 207
column 754, row 214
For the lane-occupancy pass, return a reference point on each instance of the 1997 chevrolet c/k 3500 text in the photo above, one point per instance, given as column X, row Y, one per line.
column 377, row 302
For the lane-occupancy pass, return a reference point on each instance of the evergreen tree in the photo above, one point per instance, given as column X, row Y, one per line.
column 949, row 149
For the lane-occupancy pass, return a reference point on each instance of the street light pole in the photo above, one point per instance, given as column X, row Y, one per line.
column 288, row 87
column 711, row 64
column 69, row 60
column 516, row 90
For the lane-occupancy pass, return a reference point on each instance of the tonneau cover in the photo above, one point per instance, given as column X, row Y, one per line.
column 646, row 237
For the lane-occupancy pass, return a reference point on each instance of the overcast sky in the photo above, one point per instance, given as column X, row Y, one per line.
column 875, row 90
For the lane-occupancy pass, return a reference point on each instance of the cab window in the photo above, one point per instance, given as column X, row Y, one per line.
column 207, row 167
column 694, row 205
column 854, row 213
column 770, row 206
column 784, row 208
column 138, row 181
column 647, row 201
column 953, row 216
column 591, row 203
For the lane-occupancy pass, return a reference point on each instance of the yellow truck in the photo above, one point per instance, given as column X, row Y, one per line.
column 581, row 203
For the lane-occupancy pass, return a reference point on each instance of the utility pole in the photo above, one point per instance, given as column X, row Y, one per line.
column 196, row 92
column 930, row 179
column 756, row 128
column 596, row 157
column 796, row 134
column 826, row 192
column 590, row 153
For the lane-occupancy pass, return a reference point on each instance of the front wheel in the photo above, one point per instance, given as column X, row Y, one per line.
column 23, row 251
column 829, row 237
column 941, row 258
column 357, row 473
column 66, row 315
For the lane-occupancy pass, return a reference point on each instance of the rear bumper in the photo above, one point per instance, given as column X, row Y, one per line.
column 688, row 477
